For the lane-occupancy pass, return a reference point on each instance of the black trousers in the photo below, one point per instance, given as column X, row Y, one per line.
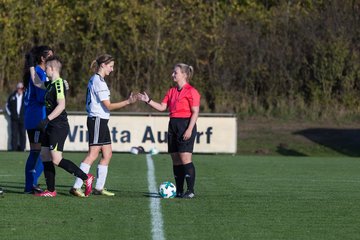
column 18, row 137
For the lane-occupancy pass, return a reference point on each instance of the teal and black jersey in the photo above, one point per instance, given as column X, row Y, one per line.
column 55, row 90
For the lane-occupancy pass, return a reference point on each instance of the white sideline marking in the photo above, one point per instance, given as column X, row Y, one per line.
column 155, row 207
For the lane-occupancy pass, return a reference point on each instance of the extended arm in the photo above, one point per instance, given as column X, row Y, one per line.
column 113, row 106
column 145, row 98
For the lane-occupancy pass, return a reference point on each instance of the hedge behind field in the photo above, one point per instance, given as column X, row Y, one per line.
column 274, row 58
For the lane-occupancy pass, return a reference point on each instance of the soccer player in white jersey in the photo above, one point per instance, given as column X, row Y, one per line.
column 98, row 107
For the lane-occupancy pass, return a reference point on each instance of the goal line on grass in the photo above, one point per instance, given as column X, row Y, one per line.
column 155, row 206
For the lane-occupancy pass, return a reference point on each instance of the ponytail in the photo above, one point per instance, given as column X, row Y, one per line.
column 105, row 58
column 94, row 66
column 187, row 69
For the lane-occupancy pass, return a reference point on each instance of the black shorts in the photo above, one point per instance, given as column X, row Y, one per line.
column 54, row 137
column 35, row 136
column 99, row 133
column 176, row 130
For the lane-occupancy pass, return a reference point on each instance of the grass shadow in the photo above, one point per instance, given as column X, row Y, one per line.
column 284, row 149
column 151, row 195
column 344, row 141
column 13, row 187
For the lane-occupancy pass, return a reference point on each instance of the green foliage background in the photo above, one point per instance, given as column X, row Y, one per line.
column 273, row 58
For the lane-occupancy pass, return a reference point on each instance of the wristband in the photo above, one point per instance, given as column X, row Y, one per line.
column 148, row 101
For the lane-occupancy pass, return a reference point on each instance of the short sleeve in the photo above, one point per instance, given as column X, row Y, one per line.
column 166, row 97
column 59, row 86
column 101, row 90
column 195, row 98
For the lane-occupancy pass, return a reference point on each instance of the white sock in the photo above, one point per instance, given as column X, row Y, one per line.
column 86, row 169
column 102, row 171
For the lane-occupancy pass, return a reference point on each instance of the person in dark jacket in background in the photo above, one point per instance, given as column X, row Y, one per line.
column 15, row 109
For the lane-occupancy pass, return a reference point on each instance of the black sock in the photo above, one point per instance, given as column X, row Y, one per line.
column 70, row 167
column 179, row 175
column 190, row 176
column 49, row 172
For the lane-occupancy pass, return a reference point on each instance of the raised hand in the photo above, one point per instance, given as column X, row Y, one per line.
column 132, row 98
column 29, row 60
column 143, row 97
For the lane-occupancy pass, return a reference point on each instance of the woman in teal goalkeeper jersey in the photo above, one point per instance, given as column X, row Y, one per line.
column 34, row 113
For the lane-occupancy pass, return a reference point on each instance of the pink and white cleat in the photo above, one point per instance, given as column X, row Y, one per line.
column 46, row 193
column 88, row 184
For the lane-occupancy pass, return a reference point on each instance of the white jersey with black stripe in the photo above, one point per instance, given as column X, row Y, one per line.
column 97, row 92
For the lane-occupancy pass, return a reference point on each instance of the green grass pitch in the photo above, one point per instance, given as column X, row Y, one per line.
column 237, row 197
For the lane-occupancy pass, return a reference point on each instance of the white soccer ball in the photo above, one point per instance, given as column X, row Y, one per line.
column 167, row 190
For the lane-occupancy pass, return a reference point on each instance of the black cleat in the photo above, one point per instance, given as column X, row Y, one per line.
column 179, row 195
column 34, row 190
column 37, row 189
column 188, row 195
